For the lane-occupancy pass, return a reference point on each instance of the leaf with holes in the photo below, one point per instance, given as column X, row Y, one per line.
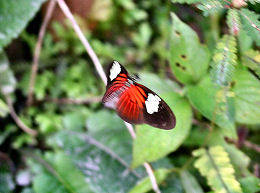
column 14, row 16
column 247, row 97
column 214, row 164
column 152, row 144
column 189, row 59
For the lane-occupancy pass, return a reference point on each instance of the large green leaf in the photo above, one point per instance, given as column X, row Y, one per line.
column 7, row 80
column 250, row 184
column 104, row 171
column 152, row 144
column 214, row 164
column 204, row 98
column 247, row 97
column 14, row 16
column 57, row 174
column 189, row 59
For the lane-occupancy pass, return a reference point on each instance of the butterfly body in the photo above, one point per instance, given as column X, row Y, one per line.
column 135, row 103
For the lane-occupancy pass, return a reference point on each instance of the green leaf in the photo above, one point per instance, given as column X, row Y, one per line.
column 6, row 132
column 188, row 65
column 251, row 24
column 224, row 61
column 190, row 183
column 247, row 97
column 214, row 164
column 103, row 170
column 145, row 184
column 112, row 133
column 251, row 59
column 250, row 184
column 57, row 174
column 4, row 110
column 172, row 184
column 14, row 16
column 7, row 80
column 152, row 144
column 204, row 97
column 212, row 6
column 233, row 21
column 143, row 36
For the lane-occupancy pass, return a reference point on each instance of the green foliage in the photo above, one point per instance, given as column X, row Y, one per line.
column 14, row 17
column 145, row 185
column 7, row 79
column 233, row 21
column 4, row 110
column 224, row 61
column 163, row 142
column 214, row 164
column 246, row 89
column 187, row 65
column 190, row 183
column 250, row 21
column 251, row 59
column 204, row 97
column 83, row 147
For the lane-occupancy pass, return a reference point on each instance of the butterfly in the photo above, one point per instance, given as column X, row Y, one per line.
column 133, row 102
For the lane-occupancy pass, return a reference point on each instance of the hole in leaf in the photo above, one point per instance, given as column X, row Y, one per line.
column 178, row 33
column 180, row 66
column 183, row 56
column 232, row 84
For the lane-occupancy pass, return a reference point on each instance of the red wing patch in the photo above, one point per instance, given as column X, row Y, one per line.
column 131, row 104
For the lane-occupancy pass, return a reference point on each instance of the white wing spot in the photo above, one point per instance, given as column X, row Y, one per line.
column 115, row 70
column 152, row 103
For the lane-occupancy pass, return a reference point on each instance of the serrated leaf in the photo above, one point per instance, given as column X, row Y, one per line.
column 188, row 65
column 214, row 164
column 190, row 183
column 247, row 97
column 224, row 61
column 204, row 97
column 103, row 171
column 145, row 184
column 251, row 59
column 152, row 144
column 211, row 6
column 4, row 110
column 251, row 24
column 233, row 21
column 14, row 16
column 7, row 80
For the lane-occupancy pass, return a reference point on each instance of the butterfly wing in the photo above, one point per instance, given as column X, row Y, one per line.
column 134, row 102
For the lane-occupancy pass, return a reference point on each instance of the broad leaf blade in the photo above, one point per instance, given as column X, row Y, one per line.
column 152, row 144
column 190, row 183
column 247, row 97
column 188, row 65
column 14, row 16
column 3, row 109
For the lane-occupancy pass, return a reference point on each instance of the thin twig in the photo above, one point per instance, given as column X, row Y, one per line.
column 102, row 75
column 18, row 121
column 38, row 51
